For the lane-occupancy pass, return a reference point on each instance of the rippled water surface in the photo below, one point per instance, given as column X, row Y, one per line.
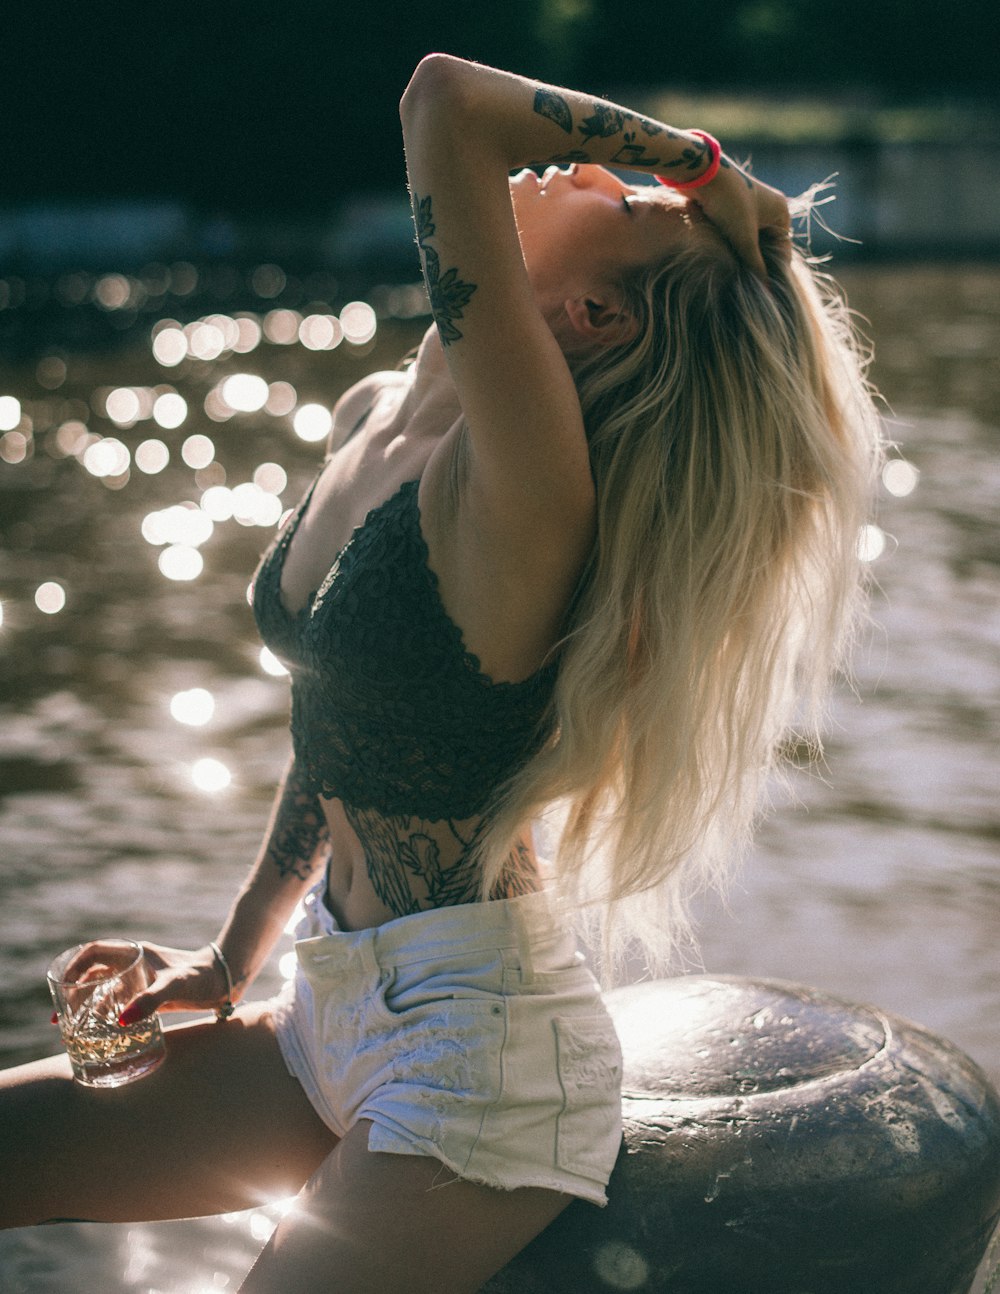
column 879, row 881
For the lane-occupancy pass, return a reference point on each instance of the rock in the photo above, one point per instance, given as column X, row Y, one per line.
column 780, row 1141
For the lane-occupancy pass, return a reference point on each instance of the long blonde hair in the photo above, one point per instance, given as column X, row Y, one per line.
column 734, row 444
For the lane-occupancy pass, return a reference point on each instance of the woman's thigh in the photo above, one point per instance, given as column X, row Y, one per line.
column 220, row 1126
column 399, row 1224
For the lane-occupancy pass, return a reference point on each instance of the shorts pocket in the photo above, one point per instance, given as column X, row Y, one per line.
column 440, row 982
column 589, row 1126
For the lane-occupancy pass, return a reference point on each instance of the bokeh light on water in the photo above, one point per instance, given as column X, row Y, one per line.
column 198, row 451
column 151, row 456
column 900, row 477
column 871, row 542
column 195, row 706
column 210, row 775
column 10, row 412
column 312, row 422
column 50, row 597
column 270, row 664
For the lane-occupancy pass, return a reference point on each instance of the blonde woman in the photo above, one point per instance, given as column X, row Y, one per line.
column 584, row 555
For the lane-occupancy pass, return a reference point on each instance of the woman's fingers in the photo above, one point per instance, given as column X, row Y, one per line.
column 181, row 980
column 779, row 240
column 748, row 250
column 190, row 986
column 92, row 961
column 166, row 993
column 743, row 209
column 137, row 1009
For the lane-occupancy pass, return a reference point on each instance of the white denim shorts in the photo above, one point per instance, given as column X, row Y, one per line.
column 474, row 1034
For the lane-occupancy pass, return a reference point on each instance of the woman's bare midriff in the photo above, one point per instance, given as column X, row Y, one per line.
column 350, row 892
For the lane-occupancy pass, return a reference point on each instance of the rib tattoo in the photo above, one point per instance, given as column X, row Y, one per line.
column 403, row 858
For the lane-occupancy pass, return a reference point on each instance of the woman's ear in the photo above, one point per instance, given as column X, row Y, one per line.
column 601, row 320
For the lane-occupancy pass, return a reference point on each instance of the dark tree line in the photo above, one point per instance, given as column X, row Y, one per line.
column 248, row 105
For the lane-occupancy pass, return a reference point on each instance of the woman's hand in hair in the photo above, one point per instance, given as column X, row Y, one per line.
column 741, row 208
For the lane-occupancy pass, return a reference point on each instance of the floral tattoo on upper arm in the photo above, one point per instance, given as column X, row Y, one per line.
column 449, row 295
column 299, row 832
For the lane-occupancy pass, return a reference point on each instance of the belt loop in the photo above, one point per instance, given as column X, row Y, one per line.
column 524, row 949
column 369, row 953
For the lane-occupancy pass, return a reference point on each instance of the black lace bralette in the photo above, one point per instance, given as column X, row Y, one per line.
column 390, row 712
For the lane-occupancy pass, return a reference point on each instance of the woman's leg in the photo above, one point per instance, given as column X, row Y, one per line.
column 220, row 1126
column 399, row 1224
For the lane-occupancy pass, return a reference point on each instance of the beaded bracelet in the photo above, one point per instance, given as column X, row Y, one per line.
column 228, row 1007
column 715, row 149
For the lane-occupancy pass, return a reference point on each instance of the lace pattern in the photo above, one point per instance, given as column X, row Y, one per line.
column 390, row 712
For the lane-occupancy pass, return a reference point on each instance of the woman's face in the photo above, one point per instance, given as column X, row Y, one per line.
column 584, row 226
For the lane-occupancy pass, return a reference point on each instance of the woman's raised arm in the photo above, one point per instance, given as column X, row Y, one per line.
column 466, row 127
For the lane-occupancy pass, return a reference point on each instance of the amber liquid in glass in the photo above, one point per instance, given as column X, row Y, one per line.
column 103, row 1054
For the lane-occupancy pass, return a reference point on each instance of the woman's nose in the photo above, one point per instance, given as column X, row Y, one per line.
column 597, row 177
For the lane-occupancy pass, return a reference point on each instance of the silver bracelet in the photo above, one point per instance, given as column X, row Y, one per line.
column 228, row 1007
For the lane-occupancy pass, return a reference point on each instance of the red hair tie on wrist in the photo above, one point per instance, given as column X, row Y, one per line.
column 715, row 149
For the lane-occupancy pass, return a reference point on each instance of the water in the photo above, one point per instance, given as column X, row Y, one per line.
column 878, row 882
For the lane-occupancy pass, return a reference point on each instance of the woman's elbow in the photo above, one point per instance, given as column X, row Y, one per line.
column 438, row 79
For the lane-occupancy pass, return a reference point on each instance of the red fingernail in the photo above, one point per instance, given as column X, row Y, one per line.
column 126, row 1017
column 55, row 1017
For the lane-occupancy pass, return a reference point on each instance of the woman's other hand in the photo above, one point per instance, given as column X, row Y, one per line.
column 181, row 981
column 742, row 208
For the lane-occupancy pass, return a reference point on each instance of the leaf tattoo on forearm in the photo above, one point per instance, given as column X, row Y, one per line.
column 554, row 106
column 448, row 294
column 634, row 154
column 693, row 158
column 603, row 123
column 606, row 122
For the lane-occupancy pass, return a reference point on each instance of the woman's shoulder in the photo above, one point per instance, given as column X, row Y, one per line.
column 356, row 397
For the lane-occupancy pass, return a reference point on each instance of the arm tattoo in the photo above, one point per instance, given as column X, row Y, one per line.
column 564, row 159
column 693, row 158
column 606, row 122
column 731, row 166
column 298, row 830
column 633, row 154
column 448, row 294
column 403, row 859
column 554, row 106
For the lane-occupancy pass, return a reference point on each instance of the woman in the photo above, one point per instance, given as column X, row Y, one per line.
column 587, row 551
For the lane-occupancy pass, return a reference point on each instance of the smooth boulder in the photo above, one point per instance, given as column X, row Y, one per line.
column 779, row 1140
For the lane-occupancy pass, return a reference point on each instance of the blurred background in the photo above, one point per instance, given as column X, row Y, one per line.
column 205, row 238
